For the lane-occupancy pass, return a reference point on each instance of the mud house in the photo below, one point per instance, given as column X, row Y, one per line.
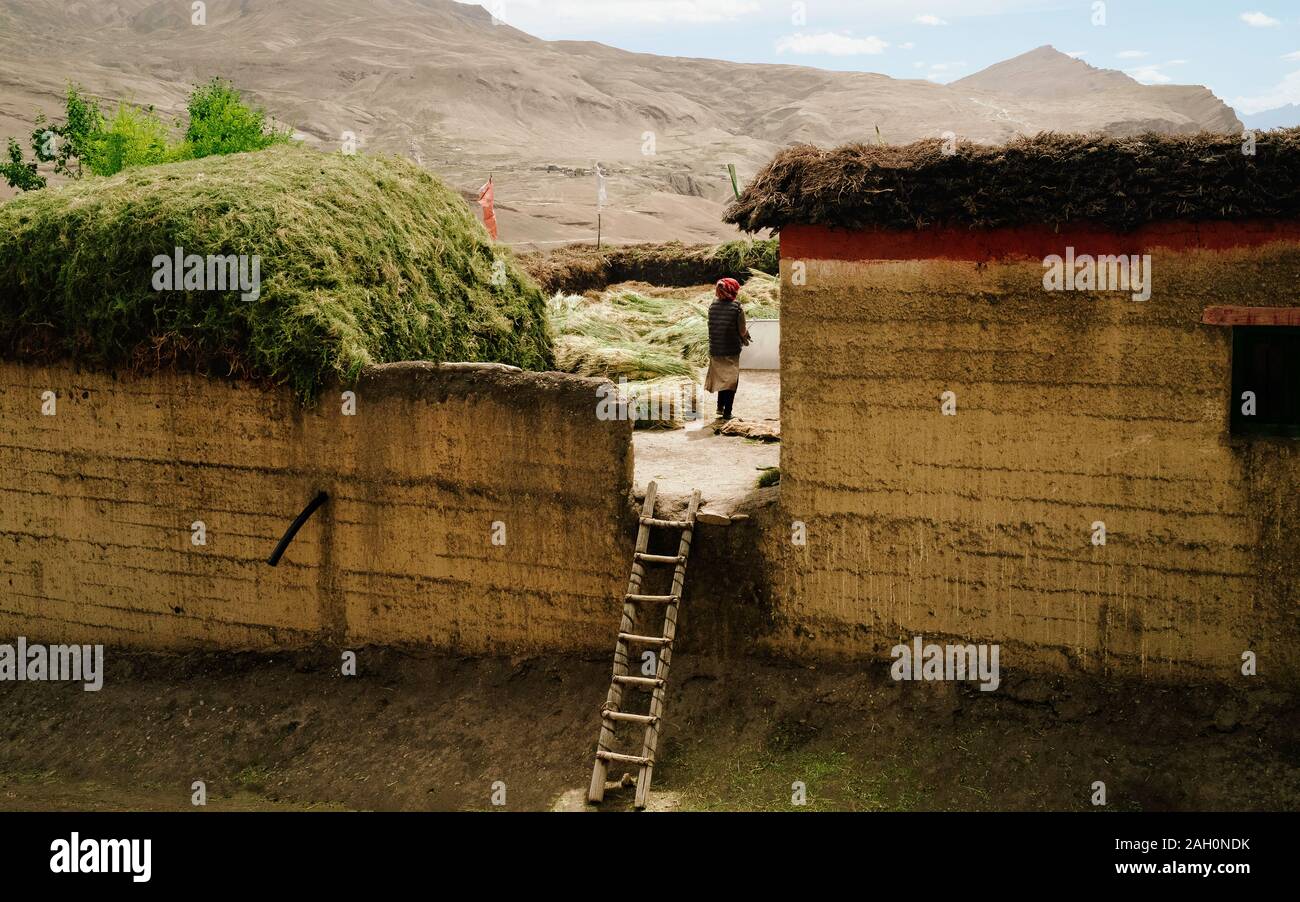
column 1045, row 395
column 1041, row 395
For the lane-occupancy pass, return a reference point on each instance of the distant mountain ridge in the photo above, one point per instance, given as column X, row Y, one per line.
column 466, row 96
column 1280, row 117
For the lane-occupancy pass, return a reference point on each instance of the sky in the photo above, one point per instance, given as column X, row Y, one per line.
column 1248, row 54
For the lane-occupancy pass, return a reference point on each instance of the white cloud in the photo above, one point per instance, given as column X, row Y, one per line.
column 929, row 19
column 1149, row 75
column 1259, row 20
column 908, row 45
column 1153, row 73
column 1132, row 54
column 1076, row 54
column 830, row 44
column 1286, row 91
column 1293, row 57
column 936, row 71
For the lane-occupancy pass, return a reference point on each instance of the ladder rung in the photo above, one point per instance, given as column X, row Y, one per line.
column 653, row 599
column 644, row 640
column 660, row 558
column 625, row 759
column 633, row 718
column 667, row 524
column 645, row 682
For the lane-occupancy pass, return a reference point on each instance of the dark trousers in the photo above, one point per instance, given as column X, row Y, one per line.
column 725, row 400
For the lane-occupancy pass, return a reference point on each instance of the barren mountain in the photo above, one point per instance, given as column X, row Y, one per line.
column 1287, row 116
column 467, row 96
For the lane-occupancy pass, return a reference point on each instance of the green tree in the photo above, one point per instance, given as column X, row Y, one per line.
column 221, row 123
column 18, row 172
column 69, row 145
column 133, row 137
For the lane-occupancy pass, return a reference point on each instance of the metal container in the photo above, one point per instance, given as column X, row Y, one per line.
column 764, row 351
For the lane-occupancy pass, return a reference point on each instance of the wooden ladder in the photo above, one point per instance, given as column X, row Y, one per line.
column 611, row 713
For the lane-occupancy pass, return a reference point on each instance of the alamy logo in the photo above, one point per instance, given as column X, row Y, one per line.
column 103, row 856
column 180, row 271
column 54, row 663
column 1105, row 273
column 947, row 662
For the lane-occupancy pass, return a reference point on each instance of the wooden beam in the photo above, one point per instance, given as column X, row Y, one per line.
column 1251, row 316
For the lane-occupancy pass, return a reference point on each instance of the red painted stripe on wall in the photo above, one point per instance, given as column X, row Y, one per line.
column 804, row 242
column 1251, row 316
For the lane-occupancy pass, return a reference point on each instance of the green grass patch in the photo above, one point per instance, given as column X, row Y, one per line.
column 255, row 778
column 770, row 476
column 748, row 779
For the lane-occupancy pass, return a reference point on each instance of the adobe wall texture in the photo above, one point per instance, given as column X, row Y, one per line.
column 97, row 503
column 1072, row 408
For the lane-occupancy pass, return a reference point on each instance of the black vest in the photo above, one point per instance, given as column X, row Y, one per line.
column 724, row 328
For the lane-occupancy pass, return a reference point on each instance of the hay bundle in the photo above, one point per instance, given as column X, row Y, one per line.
column 662, row 403
column 1050, row 179
column 362, row 260
column 634, row 361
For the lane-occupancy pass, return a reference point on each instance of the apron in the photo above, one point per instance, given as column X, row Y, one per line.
column 723, row 375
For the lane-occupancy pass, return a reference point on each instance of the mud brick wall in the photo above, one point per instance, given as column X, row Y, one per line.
column 1073, row 407
column 97, row 504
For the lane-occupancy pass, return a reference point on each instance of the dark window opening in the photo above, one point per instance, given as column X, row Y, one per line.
column 1266, row 362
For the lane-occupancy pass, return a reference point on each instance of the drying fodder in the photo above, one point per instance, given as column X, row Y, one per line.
column 1050, row 179
column 577, row 316
column 638, row 335
column 687, row 335
column 760, row 296
column 580, row 267
column 688, row 332
column 362, row 260
column 608, row 336
column 666, row 403
column 634, row 362
column 769, row 477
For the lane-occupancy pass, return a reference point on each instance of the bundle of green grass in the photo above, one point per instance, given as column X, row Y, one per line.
column 362, row 260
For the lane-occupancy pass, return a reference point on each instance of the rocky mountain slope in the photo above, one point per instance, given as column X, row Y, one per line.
column 443, row 83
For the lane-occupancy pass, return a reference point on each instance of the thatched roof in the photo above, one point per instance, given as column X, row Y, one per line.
column 1049, row 179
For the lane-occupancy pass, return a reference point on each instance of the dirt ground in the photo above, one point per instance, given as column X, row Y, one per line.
column 725, row 468
column 414, row 731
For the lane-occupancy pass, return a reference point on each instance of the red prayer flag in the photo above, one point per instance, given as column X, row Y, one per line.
column 486, row 200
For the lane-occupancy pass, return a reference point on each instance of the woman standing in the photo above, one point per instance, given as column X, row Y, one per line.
column 727, row 335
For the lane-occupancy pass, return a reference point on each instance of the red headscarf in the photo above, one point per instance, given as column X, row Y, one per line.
column 728, row 289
